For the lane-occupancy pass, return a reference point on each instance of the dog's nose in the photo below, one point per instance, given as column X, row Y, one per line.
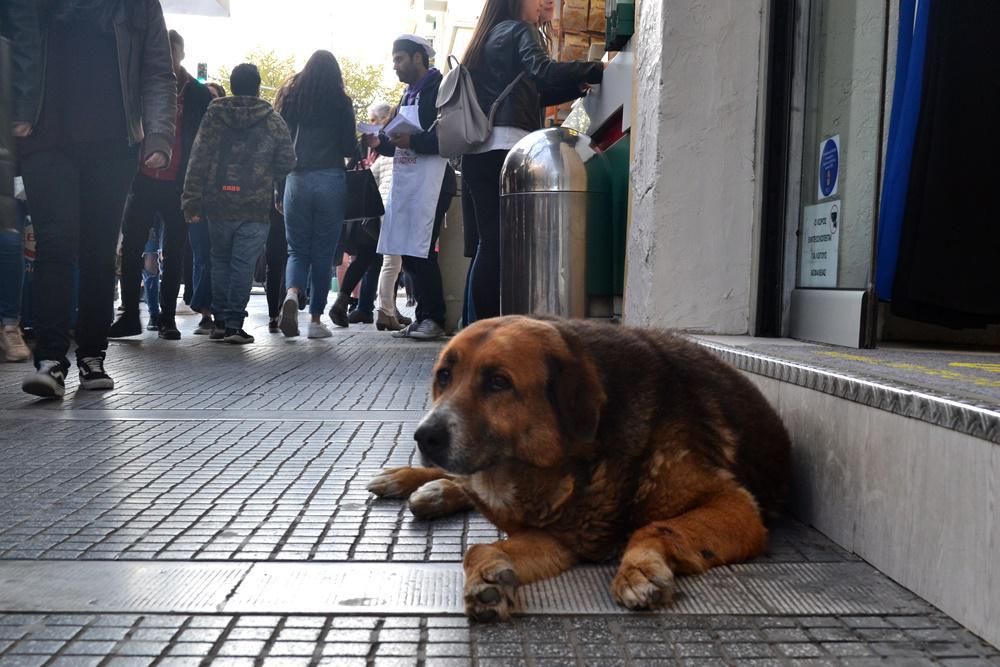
column 433, row 438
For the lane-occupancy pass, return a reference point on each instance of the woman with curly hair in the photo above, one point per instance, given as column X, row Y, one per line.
column 320, row 118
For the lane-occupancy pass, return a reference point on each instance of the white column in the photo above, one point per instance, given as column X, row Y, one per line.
column 693, row 177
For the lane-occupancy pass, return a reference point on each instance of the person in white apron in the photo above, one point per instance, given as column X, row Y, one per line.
column 423, row 185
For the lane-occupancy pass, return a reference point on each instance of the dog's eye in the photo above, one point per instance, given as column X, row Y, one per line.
column 497, row 383
column 443, row 377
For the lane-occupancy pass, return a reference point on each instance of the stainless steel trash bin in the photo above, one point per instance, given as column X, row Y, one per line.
column 547, row 191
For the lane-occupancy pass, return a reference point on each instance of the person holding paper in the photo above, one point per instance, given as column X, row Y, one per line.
column 423, row 184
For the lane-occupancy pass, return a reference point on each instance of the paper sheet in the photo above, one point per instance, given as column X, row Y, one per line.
column 407, row 121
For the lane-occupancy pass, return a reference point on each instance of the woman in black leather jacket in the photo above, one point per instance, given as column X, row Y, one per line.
column 505, row 44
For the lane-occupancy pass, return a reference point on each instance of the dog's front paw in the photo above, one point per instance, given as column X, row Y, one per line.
column 390, row 483
column 432, row 500
column 644, row 581
column 489, row 586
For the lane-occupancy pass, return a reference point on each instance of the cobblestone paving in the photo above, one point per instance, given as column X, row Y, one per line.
column 222, row 461
column 127, row 640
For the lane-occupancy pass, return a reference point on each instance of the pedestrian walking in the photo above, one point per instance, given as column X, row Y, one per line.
column 18, row 101
column 423, row 185
column 242, row 148
column 109, row 104
column 507, row 44
column 320, row 117
column 367, row 264
column 156, row 193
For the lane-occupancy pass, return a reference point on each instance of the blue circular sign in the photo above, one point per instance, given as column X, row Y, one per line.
column 829, row 164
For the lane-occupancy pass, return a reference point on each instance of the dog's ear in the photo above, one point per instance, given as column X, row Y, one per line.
column 575, row 389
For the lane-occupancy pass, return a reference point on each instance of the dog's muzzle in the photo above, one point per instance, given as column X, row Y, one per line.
column 433, row 436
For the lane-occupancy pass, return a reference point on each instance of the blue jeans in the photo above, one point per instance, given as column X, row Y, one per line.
column 12, row 270
column 201, row 266
column 151, row 281
column 235, row 248
column 314, row 217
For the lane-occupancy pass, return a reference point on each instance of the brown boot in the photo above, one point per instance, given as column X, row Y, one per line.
column 385, row 322
column 403, row 319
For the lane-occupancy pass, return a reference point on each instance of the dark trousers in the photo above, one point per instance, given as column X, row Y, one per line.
column 365, row 268
column 425, row 273
column 148, row 198
column 275, row 256
column 76, row 199
column 481, row 198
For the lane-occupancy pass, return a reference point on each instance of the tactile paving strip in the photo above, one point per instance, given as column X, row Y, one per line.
column 429, row 588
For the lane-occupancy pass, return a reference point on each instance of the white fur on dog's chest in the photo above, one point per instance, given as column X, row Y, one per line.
column 498, row 498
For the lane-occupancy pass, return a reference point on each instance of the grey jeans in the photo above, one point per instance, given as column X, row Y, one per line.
column 235, row 248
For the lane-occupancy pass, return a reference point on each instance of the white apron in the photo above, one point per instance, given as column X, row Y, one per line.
column 408, row 223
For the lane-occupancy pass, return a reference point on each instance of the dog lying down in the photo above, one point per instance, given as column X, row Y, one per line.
column 585, row 441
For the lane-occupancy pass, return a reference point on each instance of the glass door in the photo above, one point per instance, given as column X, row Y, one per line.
column 842, row 123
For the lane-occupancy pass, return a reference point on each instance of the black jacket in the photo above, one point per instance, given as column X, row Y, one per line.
column 425, row 142
column 149, row 88
column 324, row 144
column 196, row 100
column 513, row 47
column 20, row 57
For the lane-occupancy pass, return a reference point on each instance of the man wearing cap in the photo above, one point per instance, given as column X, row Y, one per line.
column 423, row 185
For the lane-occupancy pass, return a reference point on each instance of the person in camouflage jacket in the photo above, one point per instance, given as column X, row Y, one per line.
column 242, row 148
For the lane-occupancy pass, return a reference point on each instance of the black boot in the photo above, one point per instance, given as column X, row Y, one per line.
column 338, row 311
column 127, row 324
column 168, row 329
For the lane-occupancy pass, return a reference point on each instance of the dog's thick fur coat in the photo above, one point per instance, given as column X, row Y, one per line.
column 584, row 441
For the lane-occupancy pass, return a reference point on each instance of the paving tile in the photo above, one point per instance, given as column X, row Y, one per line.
column 192, row 457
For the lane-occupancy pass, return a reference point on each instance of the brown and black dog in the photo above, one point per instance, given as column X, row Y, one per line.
column 583, row 441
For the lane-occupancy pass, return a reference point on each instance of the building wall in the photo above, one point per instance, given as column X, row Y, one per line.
column 691, row 236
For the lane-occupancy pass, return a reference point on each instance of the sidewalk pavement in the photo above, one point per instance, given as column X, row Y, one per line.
column 212, row 509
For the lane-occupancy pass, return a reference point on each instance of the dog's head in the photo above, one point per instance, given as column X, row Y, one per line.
column 511, row 390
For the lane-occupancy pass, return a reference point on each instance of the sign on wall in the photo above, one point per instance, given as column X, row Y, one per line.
column 829, row 168
column 820, row 245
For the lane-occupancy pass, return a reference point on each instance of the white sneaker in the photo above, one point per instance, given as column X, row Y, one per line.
column 318, row 330
column 184, row 309
column 12, row 344
column 288, row 320
column 426, row 330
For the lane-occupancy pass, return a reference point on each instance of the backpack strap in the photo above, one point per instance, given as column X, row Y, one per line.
column 506, row 92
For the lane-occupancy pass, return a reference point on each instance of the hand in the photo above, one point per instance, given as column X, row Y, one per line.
column 194, row 219
column 20, row 129
column 279, row 207
column 400, row 140
column 157, row 160
column 371, row 141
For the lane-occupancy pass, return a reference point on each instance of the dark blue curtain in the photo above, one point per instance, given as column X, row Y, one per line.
column 947, row 266
column 906, row 96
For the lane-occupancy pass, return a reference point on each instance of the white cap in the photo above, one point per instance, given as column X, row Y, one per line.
column 419, row 41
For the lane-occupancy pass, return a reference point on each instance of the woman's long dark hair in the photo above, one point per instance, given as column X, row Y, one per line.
column 315, row 92
column 51, row 11
column 495, row 12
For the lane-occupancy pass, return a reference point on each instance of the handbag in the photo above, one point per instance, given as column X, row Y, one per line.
column 363, row 198
column 372, row 227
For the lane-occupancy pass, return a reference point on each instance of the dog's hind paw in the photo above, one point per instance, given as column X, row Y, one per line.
column 489, row 592
column 643, row 583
